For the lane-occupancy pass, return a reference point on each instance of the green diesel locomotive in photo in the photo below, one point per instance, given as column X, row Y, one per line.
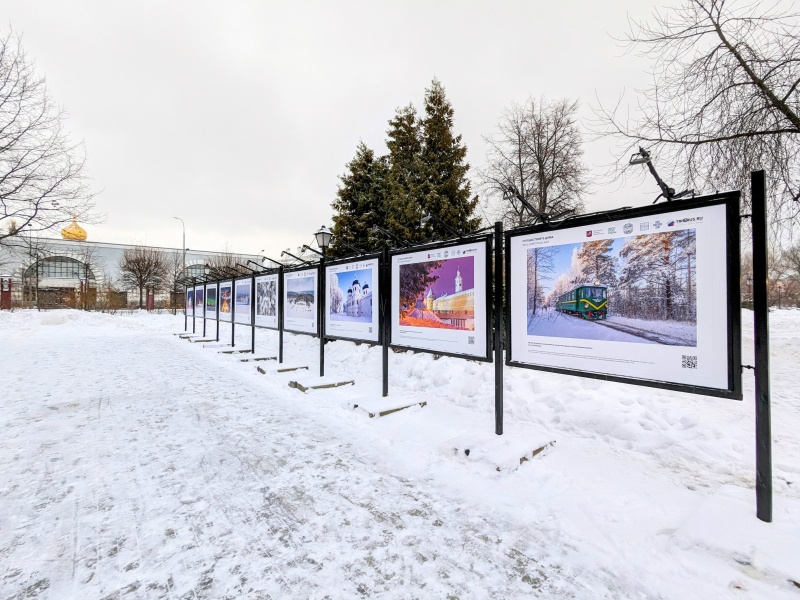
column 588, row 301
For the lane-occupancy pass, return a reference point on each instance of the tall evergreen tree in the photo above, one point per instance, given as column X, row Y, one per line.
column 360, row 203
column 445, row 191
column 403, row 212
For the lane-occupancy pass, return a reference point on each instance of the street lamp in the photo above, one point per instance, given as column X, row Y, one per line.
column 183, row 245
column 323, row 237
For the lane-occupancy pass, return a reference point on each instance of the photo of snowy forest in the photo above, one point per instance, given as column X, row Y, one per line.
column 649, row 280
column 267, row 295
column 242, row 295
column 300, row 296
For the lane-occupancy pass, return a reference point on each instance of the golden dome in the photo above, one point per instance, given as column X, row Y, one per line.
column 74, row 231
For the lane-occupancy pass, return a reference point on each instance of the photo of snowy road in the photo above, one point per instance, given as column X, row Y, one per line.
column 549, row 322
column 138, row 465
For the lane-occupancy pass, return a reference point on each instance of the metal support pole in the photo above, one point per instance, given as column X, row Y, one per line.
column 321, row 314
column 280, row 314
column 761, row 325
column 205, row 302
column 384, row 293
column 194, row 305
column 233, row 313
column 498, row 328
column 185, row 310
column 217, row 307
column 253, row 314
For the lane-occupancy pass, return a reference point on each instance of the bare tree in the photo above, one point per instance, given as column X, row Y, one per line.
column 537, row 150
column 90, row 265
column 725, row 98
column 228, row 262
column 42, row 183
column 142, row 267
column 174, row 272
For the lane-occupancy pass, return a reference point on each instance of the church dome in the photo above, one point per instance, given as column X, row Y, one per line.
column 73, row 231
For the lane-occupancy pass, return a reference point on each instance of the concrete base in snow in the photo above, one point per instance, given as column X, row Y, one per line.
column 281, row 368
column 500, row 452
column 319, row 383
column 384, row 406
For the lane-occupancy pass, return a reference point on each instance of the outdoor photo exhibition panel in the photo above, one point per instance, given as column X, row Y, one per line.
column 225, row 300
column 189, row 301
column 199, row 300
column 242, row 298
column 647, row 296
column 267, row 301
column 351, row 300
column 439, row 300
column 300, row 301
column 211, row 301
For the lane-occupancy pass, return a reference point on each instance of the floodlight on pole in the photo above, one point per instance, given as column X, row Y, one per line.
column 643, row 158
column 379, row 229
column 312, row 250
column 305, row 262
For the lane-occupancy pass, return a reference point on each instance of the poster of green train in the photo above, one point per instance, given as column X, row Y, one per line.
column 225, row 300
column 300, row 301
column 351, row 299
column 439, row 299
column 642, row 296
column 242, row 298
column 267, row 301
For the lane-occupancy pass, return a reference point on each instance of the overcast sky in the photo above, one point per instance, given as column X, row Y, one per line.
column 239, row 116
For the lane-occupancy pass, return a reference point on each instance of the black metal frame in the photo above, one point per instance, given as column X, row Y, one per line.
column 243, row 279
column 278, row 273
column 209, row 283
column 220, row 283
column 731, row 202
column 466, row 240
column 375, row 305
column 312, row 267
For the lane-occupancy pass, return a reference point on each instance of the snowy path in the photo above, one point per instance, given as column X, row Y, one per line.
column 143, row 472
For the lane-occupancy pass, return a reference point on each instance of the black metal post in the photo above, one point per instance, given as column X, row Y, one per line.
column 205, row 302
column 253, row 313
column 384, row 296
column 280, row 314
column 321, row 314
column 217, row 307
column 233, row 313
column 185, row 310
column 761, row 324
column 194, row 303
column 498, row 328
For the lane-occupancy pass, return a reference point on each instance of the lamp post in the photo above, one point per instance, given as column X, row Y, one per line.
column 183, row 245
column 323, row 237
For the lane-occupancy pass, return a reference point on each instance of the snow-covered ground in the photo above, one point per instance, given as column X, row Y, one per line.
column 134, row 464
column 548, row 322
